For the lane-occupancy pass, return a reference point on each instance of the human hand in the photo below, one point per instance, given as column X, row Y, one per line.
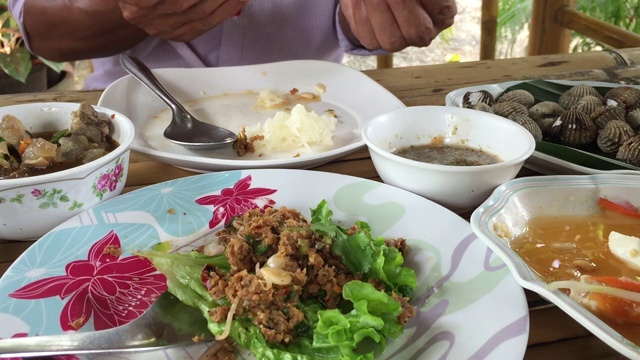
column 393, row 25
column 179, row 20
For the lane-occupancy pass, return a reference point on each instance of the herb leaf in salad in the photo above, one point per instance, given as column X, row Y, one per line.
column 317, row 321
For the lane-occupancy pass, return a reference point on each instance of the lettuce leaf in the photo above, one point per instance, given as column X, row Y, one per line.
column 249, row 337
column 388, row 266
column 356, row 250
column 373, row 318
column 183, row 272
column 362, row 254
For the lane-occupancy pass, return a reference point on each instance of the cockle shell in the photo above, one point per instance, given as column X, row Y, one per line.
column 613, row 135
column 545, row 124
column 588, row 104
column 629, row 152
column 571, row 97
column 573, row 128
column 626, row 97
column 471, row 98
column 518, row 95
column 633, row 119
column 508, row 108
column 545, row 110
column 607, row 113
column 482, row 107
column 526, row 122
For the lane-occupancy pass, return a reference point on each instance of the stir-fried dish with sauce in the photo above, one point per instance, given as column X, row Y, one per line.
column 594, row 258
column 282, row 286
column 23, row 153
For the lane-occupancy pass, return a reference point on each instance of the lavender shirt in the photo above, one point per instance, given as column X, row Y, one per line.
column 266, row 31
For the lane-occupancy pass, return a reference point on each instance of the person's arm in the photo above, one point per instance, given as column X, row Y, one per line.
column 65, row 30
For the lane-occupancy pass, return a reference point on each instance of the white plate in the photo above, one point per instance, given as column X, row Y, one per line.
column 479, row 311
column 227, row 97
column 542, row 163
column 511, row 206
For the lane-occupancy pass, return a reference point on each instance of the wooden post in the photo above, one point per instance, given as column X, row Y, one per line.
column 488, row 29
column 384, row 61
column 546, row 36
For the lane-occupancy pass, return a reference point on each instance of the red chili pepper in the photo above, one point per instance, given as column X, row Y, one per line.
column 618, row 282
column 613, row 307
column 625, row 208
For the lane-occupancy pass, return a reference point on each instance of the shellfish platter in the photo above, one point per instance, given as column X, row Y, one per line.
column 580, row 127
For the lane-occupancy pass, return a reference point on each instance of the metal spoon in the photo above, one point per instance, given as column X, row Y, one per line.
column 168, row 322
column 184, row 128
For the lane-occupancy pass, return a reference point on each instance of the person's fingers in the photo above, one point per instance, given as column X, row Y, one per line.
column 141, row 3
column 204, row 16
column 441, row 12
column 414, row 23
column 137, row 9
column 385, row 26
column 169, row 23
column 183, row 6
column 393, row 25
column 152, row 20
column 356, row 15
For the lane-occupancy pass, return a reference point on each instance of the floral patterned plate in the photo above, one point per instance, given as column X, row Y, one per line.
column 82, row 276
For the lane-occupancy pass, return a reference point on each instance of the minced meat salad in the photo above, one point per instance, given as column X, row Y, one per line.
column 286, row 286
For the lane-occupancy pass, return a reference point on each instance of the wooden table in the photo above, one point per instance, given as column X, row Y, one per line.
column 553, row 334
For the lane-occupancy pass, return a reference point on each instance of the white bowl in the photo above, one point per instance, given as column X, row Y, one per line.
column 511, row 206
column 31, row 206
column 459, row 188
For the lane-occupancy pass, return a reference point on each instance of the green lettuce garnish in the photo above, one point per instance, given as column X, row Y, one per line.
column 356, row 250
column 362, row 254
column 374, row 316
column 183, row 272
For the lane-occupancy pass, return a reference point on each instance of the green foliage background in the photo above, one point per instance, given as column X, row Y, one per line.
column 514, row 16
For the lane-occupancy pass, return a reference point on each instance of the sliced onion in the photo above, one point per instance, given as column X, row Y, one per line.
column 277, row 261
column 259, row 274
column 227, row 325
column 602, row 289
column 212, row 249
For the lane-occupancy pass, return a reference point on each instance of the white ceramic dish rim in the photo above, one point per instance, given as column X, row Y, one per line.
column 454, row 98
column 480, row 222
column 428, row 166
column 125, row 126
column 208, row 163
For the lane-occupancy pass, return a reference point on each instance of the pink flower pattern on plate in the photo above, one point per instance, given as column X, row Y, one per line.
column 113, row 290
column 236, row 200
column 109, row 180
column 55, row 357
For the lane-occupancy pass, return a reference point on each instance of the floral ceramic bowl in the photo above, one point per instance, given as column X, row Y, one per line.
column 31, row 206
